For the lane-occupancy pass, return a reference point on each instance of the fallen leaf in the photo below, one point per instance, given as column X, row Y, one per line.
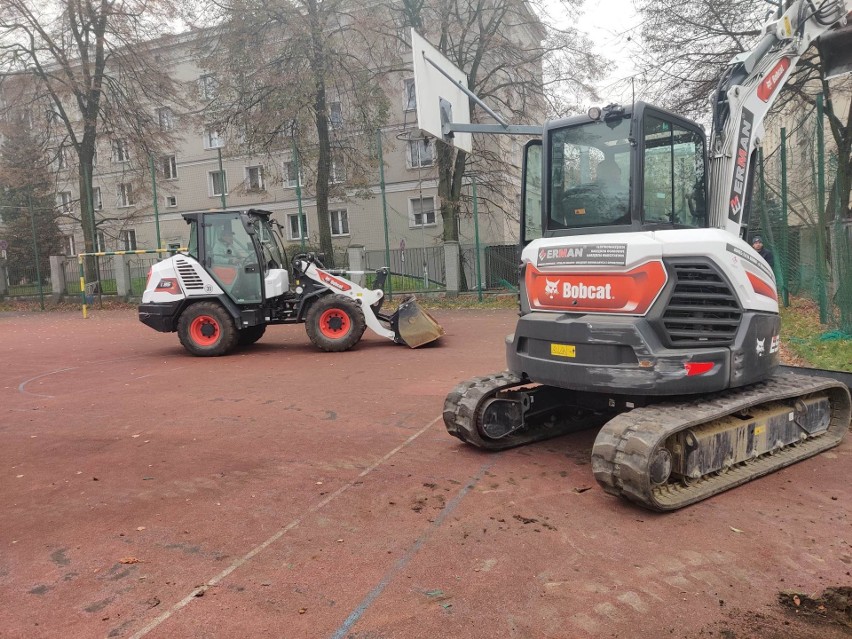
column 796, row 600
column 582, row 489
column 736, row 530
column 302, row 611
column 141, row 528
column 129, row 560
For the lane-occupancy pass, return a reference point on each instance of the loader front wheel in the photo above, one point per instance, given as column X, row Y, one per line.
column 207, row 330
column 335, row 323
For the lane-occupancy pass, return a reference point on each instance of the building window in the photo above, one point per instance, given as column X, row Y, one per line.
column 61, row 158
column 166, row 118
column 335, row 115
column 421, row 211
column 409, row 97
column 208, row 86
column 291, row 180
column 171, row 201
column 100, row 242
column 63, row 201
column 254, row 178
column 127, row 239
column 97, row 200
column 218, row 183
column 120, row 153
column 68, row 245
column 420, row 154
column 212, row 139
column 337, row 174
column 125, row 195
column 339, row 222
column 294, row 226
column 169, row 167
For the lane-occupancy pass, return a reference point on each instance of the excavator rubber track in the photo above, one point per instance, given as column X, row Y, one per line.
column 628, row 444
column 463, row 409
column 625, row 447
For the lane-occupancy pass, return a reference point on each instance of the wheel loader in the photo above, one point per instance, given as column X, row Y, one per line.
column 643, row 312
column 233, row 281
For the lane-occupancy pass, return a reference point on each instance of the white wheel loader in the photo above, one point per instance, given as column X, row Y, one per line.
column 233, row 281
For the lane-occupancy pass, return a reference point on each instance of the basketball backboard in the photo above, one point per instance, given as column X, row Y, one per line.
column 439, row 98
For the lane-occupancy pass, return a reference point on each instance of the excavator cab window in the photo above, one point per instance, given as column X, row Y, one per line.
column 673, row 174
column 590, row 168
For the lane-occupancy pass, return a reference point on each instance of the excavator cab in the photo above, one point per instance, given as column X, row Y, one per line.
column 613, row 170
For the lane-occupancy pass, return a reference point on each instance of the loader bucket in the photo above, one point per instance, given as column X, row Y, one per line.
column 414, row 326
column 835, row 48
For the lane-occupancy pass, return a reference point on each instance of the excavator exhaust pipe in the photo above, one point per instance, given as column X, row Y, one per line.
column 835, row 50
column 413, row 326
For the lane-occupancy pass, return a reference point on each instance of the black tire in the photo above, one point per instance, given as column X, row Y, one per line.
column 335, row 323
column 248, row 336
column 206, row 329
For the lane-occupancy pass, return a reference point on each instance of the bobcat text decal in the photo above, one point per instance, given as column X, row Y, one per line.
column 332, row 282
column 633, row 291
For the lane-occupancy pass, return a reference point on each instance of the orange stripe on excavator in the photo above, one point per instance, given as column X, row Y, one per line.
column 631, row 292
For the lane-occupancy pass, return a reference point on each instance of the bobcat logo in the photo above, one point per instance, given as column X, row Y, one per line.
column 761, row 349
column 551, row 288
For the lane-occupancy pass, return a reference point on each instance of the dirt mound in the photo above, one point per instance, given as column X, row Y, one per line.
column 834, row 605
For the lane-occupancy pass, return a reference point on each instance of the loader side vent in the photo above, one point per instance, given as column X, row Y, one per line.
column 191, row 280
column 702, row 309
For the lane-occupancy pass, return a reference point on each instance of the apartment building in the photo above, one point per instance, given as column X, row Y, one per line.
column 208, row 169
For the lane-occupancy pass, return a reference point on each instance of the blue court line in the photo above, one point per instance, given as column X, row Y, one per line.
column 359, row 611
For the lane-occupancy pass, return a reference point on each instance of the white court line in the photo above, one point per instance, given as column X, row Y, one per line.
column 254, row 551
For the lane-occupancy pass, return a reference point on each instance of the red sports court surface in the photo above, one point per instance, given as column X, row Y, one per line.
column 286, row 492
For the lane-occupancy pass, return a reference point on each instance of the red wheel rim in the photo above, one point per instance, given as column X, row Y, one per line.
column 204, row 330
column 334, row 323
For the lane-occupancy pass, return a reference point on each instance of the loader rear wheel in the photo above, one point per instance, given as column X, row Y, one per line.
column 335, row 323
column 207, row 330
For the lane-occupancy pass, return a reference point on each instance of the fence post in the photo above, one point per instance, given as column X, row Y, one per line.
column 224, row 181
column 35, row 253
column 57, row 276
column 452, row 264
column 122, row 276
column 381, row 159
column 3, row 279
column 821, row 225
column 154, row 194
column 355, row 253
column 476, row 235
column 785, row 293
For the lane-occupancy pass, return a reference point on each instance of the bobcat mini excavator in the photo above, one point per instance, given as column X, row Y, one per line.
column 233, row 281
column 643, row 310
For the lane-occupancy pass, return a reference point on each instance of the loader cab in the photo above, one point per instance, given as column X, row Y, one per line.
column 242, row 251
column 615, row 170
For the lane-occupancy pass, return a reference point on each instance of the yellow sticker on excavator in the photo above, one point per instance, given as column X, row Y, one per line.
column 563, row 350
column 788, row 28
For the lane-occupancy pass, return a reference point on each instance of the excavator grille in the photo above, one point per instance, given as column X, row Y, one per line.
column 702, row 309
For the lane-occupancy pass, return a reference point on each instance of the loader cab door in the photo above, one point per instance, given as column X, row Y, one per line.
column 231, row 258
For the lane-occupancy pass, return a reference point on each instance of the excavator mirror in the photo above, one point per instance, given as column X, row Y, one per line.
column 835, row 50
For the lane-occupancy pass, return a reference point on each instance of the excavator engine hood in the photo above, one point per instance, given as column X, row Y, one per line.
column 413, row 326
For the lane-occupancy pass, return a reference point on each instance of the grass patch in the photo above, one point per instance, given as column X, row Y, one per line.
column 810, row 343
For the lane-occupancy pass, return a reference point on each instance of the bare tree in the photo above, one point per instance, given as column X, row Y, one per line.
column 86, row 69
column 515, row 61
column 294, row 75
column 688, row 45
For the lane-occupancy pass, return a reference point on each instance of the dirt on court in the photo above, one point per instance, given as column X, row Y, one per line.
column 286, row 492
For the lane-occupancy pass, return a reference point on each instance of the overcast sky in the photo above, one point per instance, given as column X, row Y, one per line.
column 614, row 27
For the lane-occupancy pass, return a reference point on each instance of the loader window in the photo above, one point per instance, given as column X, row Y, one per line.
column 590, row 175
column 232, row 259
column 674, row 174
